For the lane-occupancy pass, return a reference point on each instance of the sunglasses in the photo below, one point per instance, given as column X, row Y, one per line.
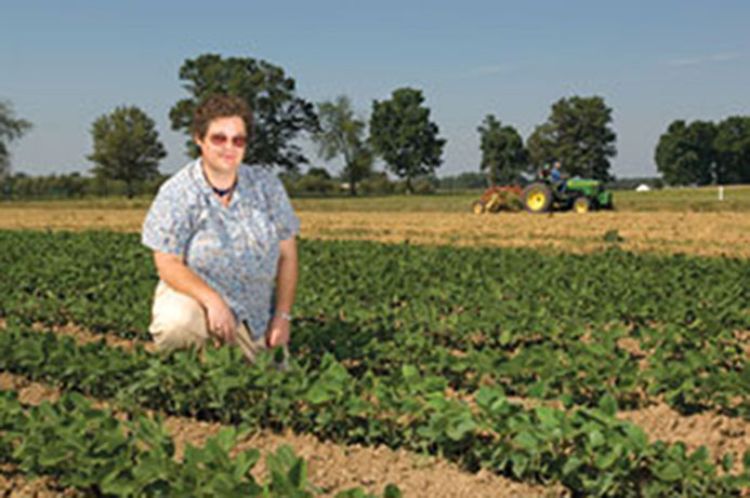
column 219, row 139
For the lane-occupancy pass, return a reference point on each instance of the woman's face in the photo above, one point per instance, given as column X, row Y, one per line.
column 223, row 146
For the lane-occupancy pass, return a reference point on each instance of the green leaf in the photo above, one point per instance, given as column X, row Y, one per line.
column 244, row 462
column 318, row 394
column 608, row 405
column 670, row 472
column 505, row 337
column 596, row 438
column 116, row 484
column 392, row 491
column 727, row 462
column 520, row 464
column 410, row 373
column 572, row 465
column 298, row 473
column 458, row 431
column 526, row 441
column 53, row 455
column 636, row 436
column 604, row 461
column 226, row 438
column 548, row 417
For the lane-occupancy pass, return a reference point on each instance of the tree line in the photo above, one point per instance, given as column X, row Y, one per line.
column 705, row 153
column 400, row 131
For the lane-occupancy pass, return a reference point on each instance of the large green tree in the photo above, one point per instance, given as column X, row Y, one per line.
column 403, row 135
column 126, row 147
column 732, row 148
column 11, row 128
column 503, row 154
column 685, row 154
column 279, row 114
column 578, row 133
column 343, row 134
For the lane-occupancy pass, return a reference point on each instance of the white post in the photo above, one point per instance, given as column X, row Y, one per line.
column 721, row 192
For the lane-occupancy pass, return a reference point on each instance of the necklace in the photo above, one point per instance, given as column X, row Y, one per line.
column 223, row 192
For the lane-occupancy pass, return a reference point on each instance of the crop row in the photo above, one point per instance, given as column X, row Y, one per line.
column 587, row 450
column 104, row 279
column 536, row 325
column 92, row 451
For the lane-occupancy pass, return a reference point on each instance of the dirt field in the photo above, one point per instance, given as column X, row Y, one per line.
column 696, row 233
column 703, row 233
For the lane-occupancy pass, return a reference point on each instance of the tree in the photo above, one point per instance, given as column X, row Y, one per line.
column 11, row 128
column 685, row 154
column 503, row 153
column 126, row 147
column 402, row 133
column 732, row 150
column 279, row 114
column 577, row 133
column 341, row 133
column 319, row 173
column 317, row 180
column 465, row 180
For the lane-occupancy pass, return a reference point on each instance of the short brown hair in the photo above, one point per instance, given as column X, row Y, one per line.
column 220, row 106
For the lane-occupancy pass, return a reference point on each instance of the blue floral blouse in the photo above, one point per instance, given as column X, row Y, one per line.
column 235, row 249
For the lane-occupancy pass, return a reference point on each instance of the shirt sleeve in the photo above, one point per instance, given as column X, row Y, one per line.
column 281, row 210
column 167, row 226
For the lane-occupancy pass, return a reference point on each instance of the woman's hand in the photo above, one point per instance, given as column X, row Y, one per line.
column 221, row 322
column 278, row 332
column 173, row 271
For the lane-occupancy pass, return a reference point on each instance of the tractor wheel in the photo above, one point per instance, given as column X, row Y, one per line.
column 477, row 207
column 537, row 198
column 582, row 205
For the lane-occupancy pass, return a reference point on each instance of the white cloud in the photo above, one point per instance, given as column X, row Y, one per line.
column 685, row 61
column 727, row 56
column 694, row 61
column 488, row 70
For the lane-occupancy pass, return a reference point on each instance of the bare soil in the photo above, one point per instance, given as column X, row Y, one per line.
column 711, row 234
column 720, row 434
column 13, row 484
column 83, row 336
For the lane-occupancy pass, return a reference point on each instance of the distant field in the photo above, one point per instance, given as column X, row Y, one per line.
column 669, row 221
column 736, row 198
column 683, row 199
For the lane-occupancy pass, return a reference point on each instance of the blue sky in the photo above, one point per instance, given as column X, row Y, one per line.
column 63, row 64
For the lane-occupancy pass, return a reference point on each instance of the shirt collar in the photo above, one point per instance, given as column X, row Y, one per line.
column 199, row 177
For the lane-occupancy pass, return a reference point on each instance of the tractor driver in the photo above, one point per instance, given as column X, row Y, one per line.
column 556, row 176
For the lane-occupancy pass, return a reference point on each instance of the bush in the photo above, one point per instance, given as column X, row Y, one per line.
column 289, row 180
column 423, row 186
column 315, row 184
column 376, row 184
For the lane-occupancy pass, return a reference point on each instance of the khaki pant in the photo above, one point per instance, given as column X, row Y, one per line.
column 178, row 321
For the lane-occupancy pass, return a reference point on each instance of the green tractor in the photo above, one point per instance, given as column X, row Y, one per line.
column 579, row 194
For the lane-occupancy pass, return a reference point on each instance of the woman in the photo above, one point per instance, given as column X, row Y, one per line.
column 223, row 242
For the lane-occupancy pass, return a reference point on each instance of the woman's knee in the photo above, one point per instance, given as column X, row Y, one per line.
column 178, row 322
